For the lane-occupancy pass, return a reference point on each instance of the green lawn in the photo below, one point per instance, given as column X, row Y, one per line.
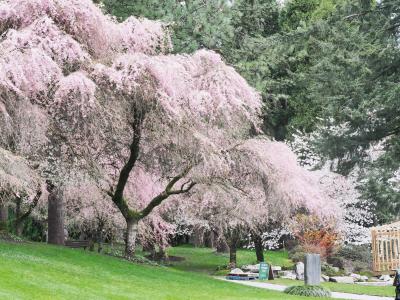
column 387, row 291
column 208, row 261
column 39, row 271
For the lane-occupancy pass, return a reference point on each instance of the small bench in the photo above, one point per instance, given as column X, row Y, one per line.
column 76, row 244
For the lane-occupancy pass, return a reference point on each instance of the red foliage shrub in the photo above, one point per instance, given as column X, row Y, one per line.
column 315, row 237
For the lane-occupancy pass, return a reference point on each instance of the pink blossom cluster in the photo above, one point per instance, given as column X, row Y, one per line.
column 16, row 176
column 87, row 24
column 265, row 186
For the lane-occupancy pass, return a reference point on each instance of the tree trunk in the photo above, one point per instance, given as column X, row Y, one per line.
column 100, row 240
column 209, row 239
column 19, row 227
column 18, row 221
column 232, row 255
column 162, row 254
column 3, row 216
column 258, row 247
column 91, row 244
column 55, row 217
column 198, row 237
column 131, row 233
column 222, row 246
column 151, row 249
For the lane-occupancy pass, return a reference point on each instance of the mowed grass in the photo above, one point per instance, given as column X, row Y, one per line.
column 387, row 291
column 39, row 271
column 207, row 260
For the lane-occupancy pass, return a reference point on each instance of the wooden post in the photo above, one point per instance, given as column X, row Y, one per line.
column 374, row 250
column 379, row 252
column 386, row 251
column 397, row 250
column 391, row 249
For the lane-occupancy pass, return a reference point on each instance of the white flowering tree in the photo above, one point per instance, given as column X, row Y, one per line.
column 357, row 213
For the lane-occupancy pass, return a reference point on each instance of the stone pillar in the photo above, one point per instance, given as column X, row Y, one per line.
column 312, row 270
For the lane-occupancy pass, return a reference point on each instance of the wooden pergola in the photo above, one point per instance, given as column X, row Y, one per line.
column 385, row 248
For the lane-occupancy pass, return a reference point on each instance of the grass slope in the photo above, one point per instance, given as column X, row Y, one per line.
column 208, row 261
column 37, row 271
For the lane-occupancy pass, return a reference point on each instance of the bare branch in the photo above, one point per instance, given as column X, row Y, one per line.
column 156, row 201
column 31, row 206
column 182, row 190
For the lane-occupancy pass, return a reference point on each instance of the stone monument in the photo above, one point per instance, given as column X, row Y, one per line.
column 312, row 270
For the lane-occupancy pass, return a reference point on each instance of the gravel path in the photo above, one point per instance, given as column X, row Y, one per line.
column 281, row 288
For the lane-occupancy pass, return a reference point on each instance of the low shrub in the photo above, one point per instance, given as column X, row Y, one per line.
column 314, row 236
column 10, row 237
column 297, row 254
column 360, row 253
column 353, row 258
column 309, row 291
column 331, row 271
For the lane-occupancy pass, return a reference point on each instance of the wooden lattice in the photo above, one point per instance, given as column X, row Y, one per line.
column 386, row 248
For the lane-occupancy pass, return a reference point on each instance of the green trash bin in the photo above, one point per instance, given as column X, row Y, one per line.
column 263, row 271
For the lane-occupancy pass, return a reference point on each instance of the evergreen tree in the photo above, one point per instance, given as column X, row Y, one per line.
column 356, row 83
column 194, row 24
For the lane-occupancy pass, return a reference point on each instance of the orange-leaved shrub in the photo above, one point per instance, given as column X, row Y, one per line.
column 314, row 236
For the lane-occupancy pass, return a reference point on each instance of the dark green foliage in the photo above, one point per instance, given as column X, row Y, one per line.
column 151, row 9
column 298, row 12
column 255, row 18
column 353, row 258
column 33, row 229
column 309, row 291
column 297, row 254
column 356, row 81
column 195, row 24
column 356, row 252
column 329, row 270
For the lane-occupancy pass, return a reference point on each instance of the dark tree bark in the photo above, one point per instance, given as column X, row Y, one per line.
column 132, row 217
column 131, row 234
column 20, row 217
column 151, row 248
column 198, row 237
column 258, row 247
column 18, row 221
column 162, row 254
column 91, row 244
column 100, row 237
column 232, row 255
column 233, row 239
column 55, row 216
column 19, row 227
column 3, row 216
column 210, row 240
column 222, row 245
